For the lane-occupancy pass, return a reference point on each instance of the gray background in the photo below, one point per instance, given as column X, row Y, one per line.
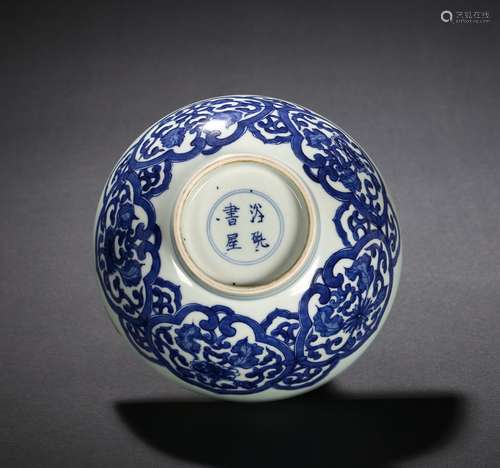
column 80, row 81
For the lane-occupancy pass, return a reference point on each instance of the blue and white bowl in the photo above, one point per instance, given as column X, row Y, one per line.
column 247, row 248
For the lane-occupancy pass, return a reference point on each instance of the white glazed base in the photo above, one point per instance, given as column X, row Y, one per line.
column 245, row 225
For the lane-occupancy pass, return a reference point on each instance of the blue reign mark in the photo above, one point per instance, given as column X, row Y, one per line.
column 231, row 212
column 340, row 310
column 232, row 242
column 256, row 213
column 257, row 240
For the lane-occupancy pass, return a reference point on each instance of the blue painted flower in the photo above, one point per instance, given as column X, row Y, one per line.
column 187, row 337
column 366, row 309
column 350, row 179
column 173, row 137
column 229, row 117
column 361, row 269
column 131, row 273
column 355, row 321
column 326, row 322
column 317, row 139
column 245, row 354
column 125, row 216
column 129, row 268
column 213, row 371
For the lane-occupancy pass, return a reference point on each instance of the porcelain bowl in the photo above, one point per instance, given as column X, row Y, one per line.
column 247, row 247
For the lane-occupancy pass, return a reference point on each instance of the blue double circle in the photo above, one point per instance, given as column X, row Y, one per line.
column 224, row 254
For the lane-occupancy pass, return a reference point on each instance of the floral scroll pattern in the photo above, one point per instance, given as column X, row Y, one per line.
column 216, row 348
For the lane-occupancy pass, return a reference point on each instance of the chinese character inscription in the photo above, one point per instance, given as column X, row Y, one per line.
column 245, row 226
